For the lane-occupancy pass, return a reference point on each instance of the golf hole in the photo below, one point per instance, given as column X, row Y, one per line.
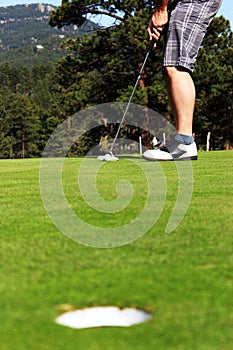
column 102, row 317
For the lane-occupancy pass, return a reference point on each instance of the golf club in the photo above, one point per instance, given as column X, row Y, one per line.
column 110, row 156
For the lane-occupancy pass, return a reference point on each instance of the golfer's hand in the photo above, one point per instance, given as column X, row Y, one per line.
column 157, row 24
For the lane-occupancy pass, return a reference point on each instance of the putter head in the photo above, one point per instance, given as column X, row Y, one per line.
column 109, row 157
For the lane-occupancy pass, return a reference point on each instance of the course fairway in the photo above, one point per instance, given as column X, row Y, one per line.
column 184, row 279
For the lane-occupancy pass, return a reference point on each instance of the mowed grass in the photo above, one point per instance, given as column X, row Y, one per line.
column 184, row 278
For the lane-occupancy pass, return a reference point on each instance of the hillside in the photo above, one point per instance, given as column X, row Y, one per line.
column 26, row 38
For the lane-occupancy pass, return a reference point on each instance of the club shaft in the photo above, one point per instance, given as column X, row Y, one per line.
column 130, row 99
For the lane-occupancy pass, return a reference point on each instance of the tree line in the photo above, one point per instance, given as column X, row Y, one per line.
column 102, row 67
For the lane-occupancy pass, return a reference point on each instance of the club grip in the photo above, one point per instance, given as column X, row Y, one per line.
column 151, row 45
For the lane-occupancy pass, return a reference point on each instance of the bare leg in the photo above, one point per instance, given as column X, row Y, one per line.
column 181, row 93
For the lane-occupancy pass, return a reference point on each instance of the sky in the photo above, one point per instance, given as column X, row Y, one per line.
column 226, row 9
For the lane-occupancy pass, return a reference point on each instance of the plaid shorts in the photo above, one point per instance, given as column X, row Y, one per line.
column 189, row 20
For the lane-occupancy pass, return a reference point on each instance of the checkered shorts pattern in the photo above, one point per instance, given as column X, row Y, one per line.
column 189, row 20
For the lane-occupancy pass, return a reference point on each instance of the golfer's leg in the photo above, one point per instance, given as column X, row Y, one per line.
column 181, row 93
column 188, row 23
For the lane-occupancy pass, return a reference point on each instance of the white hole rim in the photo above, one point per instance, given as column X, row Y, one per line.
column 103, row 316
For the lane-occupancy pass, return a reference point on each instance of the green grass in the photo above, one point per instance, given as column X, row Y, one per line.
column 184, row 278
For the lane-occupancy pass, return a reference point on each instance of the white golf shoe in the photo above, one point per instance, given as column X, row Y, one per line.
column 172, row 151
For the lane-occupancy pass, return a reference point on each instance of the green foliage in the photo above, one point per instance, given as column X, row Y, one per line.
column 25, row 105
column 101, row 67
column 214, row 81
column 20, row 126
column 75, row 11
column 24, row 27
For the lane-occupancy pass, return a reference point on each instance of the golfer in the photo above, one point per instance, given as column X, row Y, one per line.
column 184, row 23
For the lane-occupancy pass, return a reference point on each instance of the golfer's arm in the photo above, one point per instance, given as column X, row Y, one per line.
column 161, row 5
